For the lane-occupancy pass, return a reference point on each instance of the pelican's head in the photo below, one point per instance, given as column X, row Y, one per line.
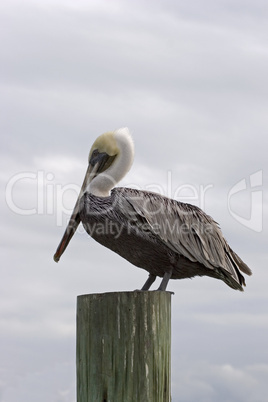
column 110, row 158
column 102, row 155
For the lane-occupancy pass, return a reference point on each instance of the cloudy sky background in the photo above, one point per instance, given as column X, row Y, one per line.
column 189, row 79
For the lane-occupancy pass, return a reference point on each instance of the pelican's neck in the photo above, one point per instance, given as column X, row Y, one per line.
column 102, row 184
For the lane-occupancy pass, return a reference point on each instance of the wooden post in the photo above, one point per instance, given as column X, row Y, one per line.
column 123, row 347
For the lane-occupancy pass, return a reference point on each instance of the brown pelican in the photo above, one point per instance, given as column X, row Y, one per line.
column 167, row 238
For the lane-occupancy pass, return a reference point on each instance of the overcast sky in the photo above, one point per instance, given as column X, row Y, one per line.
column 190, row 81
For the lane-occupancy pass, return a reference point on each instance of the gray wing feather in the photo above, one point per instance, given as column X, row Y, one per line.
column 184, row 228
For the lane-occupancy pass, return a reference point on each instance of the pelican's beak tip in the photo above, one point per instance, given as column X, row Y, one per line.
column 56, row 258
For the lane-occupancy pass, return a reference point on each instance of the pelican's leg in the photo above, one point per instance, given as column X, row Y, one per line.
column 166, row 278
column 149, row 282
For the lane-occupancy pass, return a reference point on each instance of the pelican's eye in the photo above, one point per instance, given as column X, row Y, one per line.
column 102, row 158
column 93, row 157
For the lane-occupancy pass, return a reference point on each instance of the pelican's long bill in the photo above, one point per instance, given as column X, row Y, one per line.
column 75, row 217
column 98, row 162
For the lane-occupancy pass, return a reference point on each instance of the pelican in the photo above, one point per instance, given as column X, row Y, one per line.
column 167, row 238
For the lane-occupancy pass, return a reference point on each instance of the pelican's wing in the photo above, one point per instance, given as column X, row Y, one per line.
column 184, row 228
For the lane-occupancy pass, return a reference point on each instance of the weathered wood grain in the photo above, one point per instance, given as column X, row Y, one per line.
column 123, row 347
